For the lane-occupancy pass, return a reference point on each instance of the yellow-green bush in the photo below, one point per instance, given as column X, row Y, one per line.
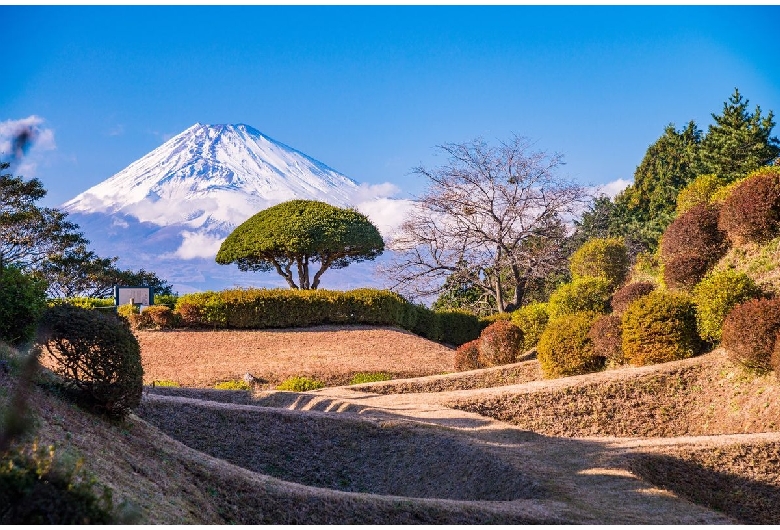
column 582, row 294
column 532, row 319
column 84, row 302
column 369, row 377
column 660, row 327
column 233, row 384
column 716, row 295
column 300, row 384
column 566, row 349
column 601, row 258
column 699, row 191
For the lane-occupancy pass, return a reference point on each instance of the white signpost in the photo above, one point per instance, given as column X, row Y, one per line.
column 139, row 295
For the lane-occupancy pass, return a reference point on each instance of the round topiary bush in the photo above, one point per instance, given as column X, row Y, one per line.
column 691, row 244
column 582, row 294
column 500, row 343
column 566, row 349
column 22, row 300
column 97, row 355
column 467, row 356
column 699, row 191
column 751, row 212
column 532, row 319
column 716, row 295
column 159, row 316
column 628, row 293
column 749, row 333
column 660, row 327
column 606, row 334
column 601, row 258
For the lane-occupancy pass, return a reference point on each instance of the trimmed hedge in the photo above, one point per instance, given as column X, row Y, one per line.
column 606, row 333
column 660, row 327
column 582, row 294
column 532, row 319
column 749, row 333
column 500, row 343
column 467, row 356
column 751, row 212
column 628, row 293
column 716, row 295
column 601, row 258
column 566, row 349
column 287, row 308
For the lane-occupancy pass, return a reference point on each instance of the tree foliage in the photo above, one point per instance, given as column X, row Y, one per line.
column 492, row 217
column 739, row 141
column 297, row 233
column 22, row 300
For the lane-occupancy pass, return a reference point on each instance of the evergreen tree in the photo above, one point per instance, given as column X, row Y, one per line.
column 738, row 142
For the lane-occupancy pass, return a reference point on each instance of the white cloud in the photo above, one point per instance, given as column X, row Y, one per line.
column 197, row 245
column 368, row 192
column 611, row 189
column 387, row 214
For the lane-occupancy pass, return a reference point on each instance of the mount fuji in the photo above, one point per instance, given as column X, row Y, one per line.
column 169, row 211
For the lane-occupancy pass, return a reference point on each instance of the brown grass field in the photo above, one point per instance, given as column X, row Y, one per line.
column 687, row 442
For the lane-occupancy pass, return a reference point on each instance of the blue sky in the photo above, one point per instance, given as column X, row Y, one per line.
column 370, row 91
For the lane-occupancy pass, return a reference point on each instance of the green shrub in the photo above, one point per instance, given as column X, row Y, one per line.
column 606, row 334
column 369, row 377
column 749, row 333
column 699, row 191
column 716, row 295
column 467, row 356
column 581, row 295
column 22, row 300
column 85, row 302
column 601, row 258
column 660, row 327
column 233, row 384
column 500, row 343
column 495, row 317
column 457, row 326
column 300, row 384
column 36, row 489
column 628, row 293
column 531, row 319
column 97, row 355
column 565, row 348
column 159, row 316
column 168, row 300
column 751, row 213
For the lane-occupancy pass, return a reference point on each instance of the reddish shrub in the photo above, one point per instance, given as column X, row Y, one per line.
column 606, row 334
column 751, row 213
column 500, row 343
column 749, row 333
column 628, row 293
column 190, row 314
column 467, row 356
column 160, row 316
column 684, row 271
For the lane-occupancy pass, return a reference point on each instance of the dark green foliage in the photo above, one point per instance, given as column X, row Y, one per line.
column 566, row 349
column 461, row 294
column 598, row 221
column 628, row 293
column 716, row 295
column 500, row 343
column 37, row 490
column 606, row 334
column 285, row 308
column 531, row 319
column 296, row 233
column 691, row 245
column 467, row 356
column 644, row 209
column 749, row 333
column 660, row 327
column 601, row 258
column 22, row 300
column 582, row 294
column 738, row 142
column 751, row 212
column 96, row 355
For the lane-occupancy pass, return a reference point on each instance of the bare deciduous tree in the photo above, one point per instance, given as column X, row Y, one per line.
column 492, row 216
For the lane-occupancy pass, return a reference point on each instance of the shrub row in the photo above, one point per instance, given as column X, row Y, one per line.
column 285, row 308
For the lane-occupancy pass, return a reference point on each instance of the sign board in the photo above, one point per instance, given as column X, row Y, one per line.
column 139, row 295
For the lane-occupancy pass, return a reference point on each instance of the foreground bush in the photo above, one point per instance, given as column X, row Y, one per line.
column 531, row 319
column 467, row 356
column 22, row 300
column 749, row 333
column 716, row 295
column 581, row 295
column 95, row 354
column 601, row 258
column 500, row 343
column 628, row 293
column 300, row 384
column 566, row 349
column 751, row 212
column 660, row 327
column 606, row 334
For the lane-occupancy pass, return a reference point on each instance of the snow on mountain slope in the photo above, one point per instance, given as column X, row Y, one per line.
column 170, row 210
